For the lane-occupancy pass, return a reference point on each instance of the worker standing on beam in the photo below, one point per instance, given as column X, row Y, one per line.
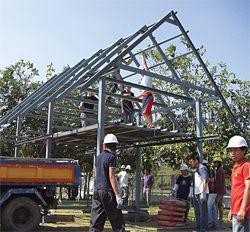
column 147, row 97
column 107, row 200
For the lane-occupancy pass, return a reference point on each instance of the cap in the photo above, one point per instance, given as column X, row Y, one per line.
column 123, row 166
column 110, row 138
column 237, row 141
column 183, row 167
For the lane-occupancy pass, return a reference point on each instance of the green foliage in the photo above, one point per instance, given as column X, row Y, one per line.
column 235, row 91
column 16, row 83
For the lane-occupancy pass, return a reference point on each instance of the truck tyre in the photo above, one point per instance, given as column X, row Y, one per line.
column 21, row 214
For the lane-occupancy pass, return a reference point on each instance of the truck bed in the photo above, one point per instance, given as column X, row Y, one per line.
column 31, row 171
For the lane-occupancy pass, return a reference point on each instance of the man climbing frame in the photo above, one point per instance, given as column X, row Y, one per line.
column 106, row 198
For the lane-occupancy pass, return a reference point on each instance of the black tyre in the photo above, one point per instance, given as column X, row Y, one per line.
column 21, row 214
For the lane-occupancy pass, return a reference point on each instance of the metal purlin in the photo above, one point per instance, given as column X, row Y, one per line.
column 57, row 87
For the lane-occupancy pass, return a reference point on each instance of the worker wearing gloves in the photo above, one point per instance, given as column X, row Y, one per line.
column 201, row 191
column 106, row 198
column 182, row 188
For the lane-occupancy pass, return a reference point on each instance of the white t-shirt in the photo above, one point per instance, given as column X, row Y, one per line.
column 199, row 179
column 146, row 80
column 123, row 178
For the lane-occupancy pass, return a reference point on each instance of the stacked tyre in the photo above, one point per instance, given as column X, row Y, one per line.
column 172, row 213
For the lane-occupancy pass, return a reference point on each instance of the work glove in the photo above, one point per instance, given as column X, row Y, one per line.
column 119, row 201
column 190, row 197
column 173, row 193
column 203, row 197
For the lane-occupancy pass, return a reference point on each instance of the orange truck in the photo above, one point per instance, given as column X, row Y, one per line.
column 28, row 189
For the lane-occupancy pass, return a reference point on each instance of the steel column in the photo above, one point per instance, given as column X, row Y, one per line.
column 49, row 130
column 18, row 128
column 199, row 127
column 101, row 115
column 138, row 179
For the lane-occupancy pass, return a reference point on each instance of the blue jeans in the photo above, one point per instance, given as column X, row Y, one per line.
column 240, row 226
column 201, row 214
column 212, row 210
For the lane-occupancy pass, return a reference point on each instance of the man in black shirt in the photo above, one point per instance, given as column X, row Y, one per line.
column 182, row 187
column 87, row 115
column 183, row 184
column 127, row 105
column 106, row 198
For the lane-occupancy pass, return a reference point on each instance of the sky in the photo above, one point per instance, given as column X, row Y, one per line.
column 66, row 31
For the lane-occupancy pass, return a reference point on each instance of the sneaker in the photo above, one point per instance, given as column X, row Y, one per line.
column 220, row 220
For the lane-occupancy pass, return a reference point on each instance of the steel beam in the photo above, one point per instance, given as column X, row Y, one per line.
column 168, row 79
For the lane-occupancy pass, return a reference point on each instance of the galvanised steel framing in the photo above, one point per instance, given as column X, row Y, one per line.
column 97, row 74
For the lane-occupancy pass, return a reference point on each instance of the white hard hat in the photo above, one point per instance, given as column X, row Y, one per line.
column 110, row 138
column 204, row 161
column 123, row 166
column 128, row 167
column 183, row 167
column 237, row 141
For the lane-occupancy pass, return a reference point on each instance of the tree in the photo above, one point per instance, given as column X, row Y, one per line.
column 235, row 91
column 16, row 83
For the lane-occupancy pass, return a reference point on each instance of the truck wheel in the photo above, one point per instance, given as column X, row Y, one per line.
column 21, row 214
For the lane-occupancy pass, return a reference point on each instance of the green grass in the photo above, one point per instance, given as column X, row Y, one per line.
column 82, row 221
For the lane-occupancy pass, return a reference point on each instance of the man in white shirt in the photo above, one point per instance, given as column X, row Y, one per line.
column 124, row 178
column 201, row 191
column 147, row 97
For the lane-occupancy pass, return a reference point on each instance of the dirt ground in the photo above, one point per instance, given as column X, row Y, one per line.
column 81, row 223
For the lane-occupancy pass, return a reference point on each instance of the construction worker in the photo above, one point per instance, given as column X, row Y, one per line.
column 148, row 180
column 220, row 186
column 240, row 185
column 127, row 106
column 87, row 116
column 124, row 181
column 201, row 191
column 147, row 97
column 182, row 187
column 106, row 198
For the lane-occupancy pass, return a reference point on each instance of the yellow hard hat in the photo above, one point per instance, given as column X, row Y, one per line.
column 217, row 158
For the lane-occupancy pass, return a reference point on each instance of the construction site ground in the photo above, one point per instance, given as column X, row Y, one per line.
column 82, row 219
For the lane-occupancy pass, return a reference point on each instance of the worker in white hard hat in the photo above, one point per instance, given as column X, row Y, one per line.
column 182, row 187
column 124, row 179
column 240, row 184
column 106, row 198
column 220, row 186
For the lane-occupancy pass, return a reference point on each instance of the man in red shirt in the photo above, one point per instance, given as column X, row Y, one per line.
column 240, row 185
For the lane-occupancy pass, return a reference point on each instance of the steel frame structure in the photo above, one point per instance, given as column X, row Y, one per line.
column 56, row 100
